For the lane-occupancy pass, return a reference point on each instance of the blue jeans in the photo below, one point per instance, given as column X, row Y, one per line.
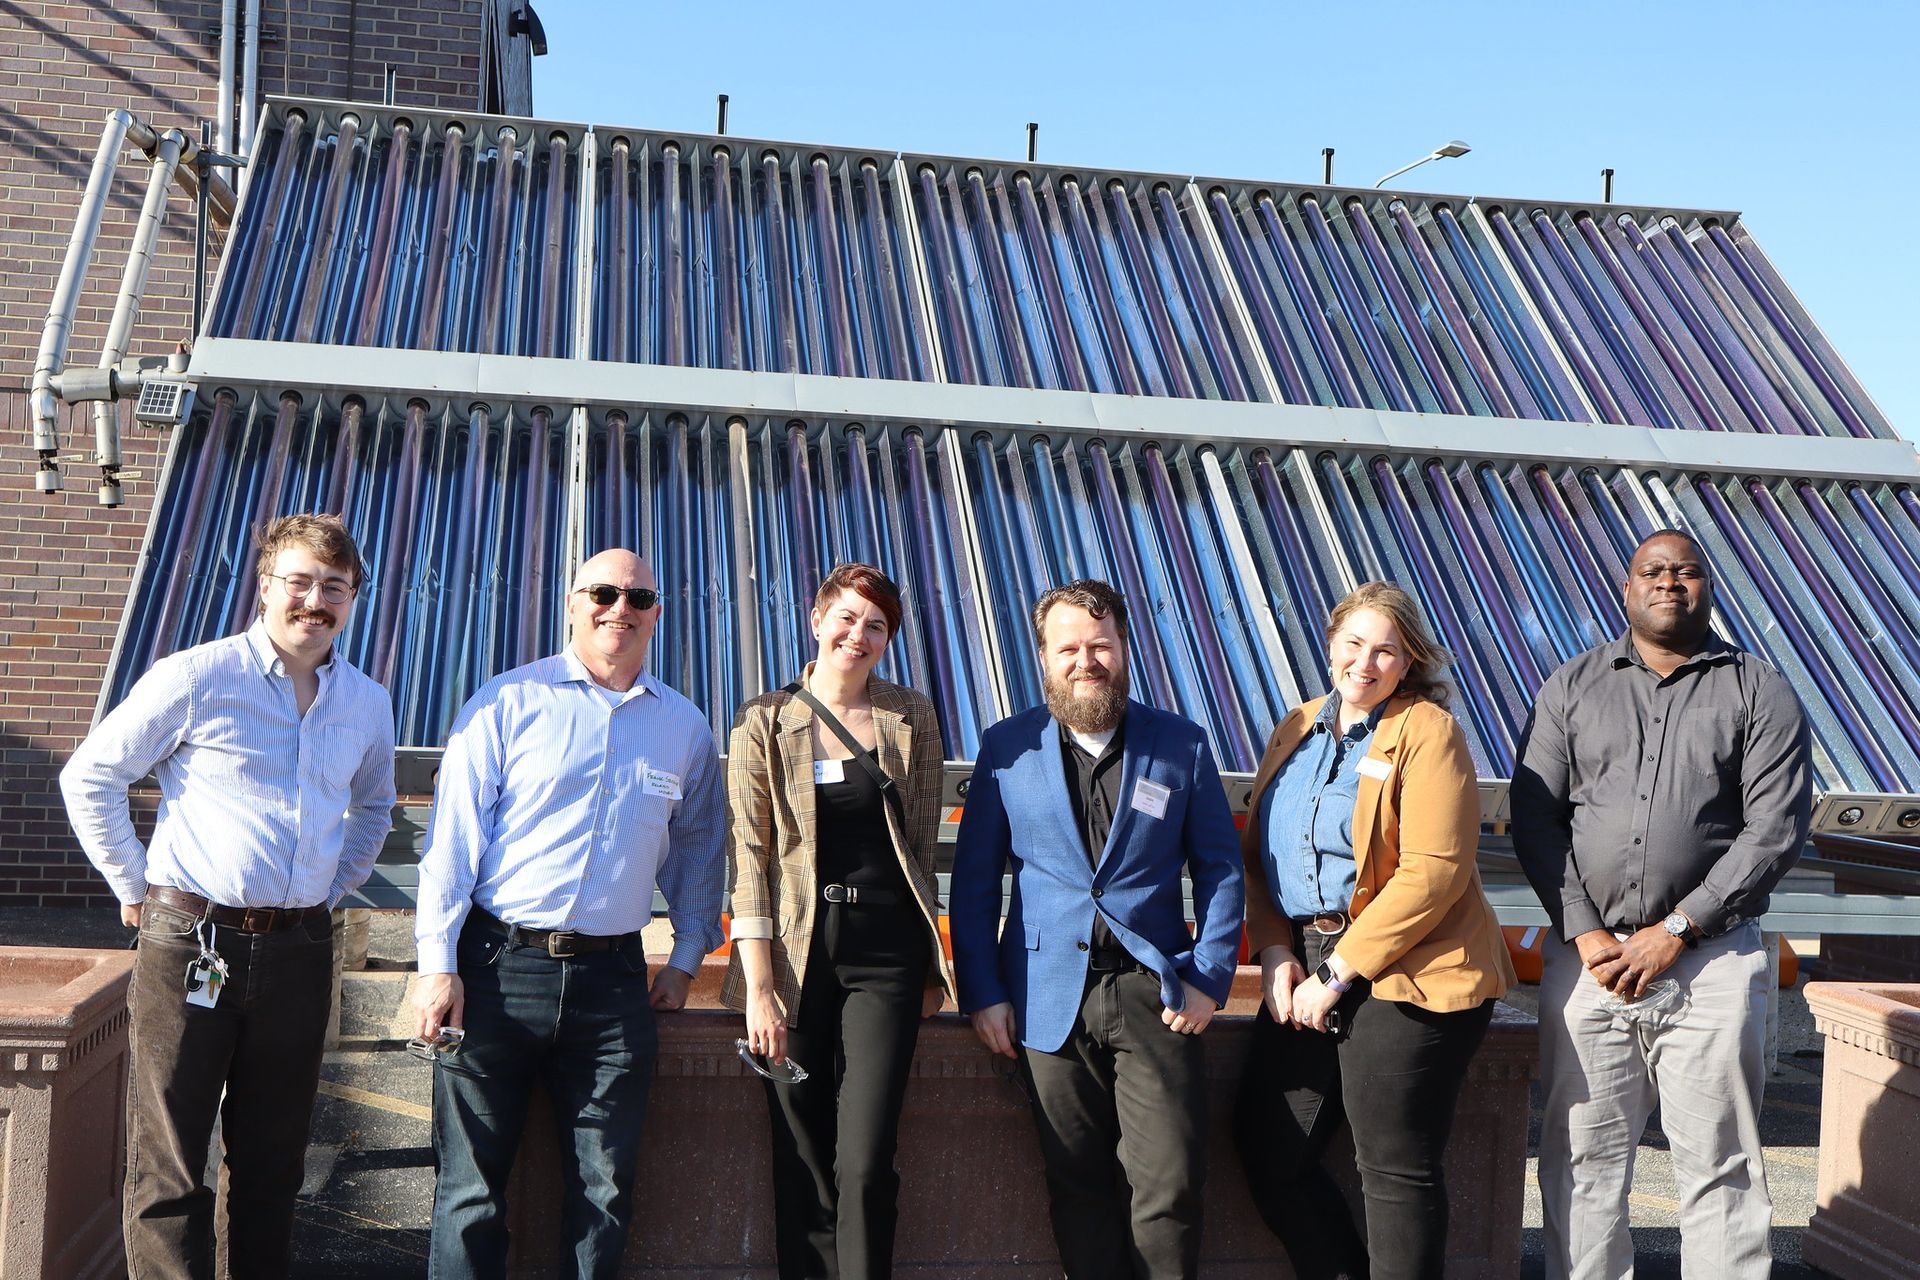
column 581, row 1027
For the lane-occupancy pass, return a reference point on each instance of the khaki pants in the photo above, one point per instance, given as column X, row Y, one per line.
column 1702, row 1062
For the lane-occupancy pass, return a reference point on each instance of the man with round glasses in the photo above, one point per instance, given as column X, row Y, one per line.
column 274, row 757
column 570, row 788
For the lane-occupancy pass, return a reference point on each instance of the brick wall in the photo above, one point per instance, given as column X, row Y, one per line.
column 66, row 563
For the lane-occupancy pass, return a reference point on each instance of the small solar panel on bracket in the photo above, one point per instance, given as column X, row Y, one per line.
column 164, row 402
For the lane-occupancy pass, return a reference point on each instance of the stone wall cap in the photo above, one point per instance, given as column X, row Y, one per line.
column 1887, row 1012
column 54, row 990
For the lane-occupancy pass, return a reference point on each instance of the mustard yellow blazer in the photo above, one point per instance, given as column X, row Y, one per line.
column 772, row 832
column 1423, row 931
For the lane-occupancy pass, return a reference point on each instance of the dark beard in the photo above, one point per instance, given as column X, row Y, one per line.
column 1088, row 715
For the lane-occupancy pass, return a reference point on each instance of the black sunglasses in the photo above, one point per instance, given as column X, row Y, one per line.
column 641, row 598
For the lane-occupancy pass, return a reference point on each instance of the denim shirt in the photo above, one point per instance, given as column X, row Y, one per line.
column 1307, row 815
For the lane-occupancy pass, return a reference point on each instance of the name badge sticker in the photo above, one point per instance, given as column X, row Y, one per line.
column 1150, row 798
column 828, row 771
column 1371, row 767
column 658, row 782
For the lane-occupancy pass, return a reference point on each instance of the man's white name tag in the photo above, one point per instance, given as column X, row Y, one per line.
column 659, row 782
column 825, row 771
column 1151, row 798
column 1373, row 767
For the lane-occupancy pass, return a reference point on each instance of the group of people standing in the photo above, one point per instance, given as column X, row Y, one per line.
column 1098, row 898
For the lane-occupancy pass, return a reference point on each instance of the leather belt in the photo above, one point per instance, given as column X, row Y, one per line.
column 245, row 919
column 1114, row 962
column 854, row 895
column 561, row 944
column 1326, row 924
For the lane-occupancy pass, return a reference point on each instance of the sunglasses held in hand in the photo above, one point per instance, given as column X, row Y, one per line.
column 785, row 1071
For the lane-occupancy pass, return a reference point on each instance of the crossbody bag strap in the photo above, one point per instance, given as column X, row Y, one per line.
column 867, row 762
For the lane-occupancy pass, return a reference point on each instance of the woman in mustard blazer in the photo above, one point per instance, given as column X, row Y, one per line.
column 836, row 944
column 1380, row 956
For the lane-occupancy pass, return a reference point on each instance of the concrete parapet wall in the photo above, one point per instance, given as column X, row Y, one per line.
column 973, row 1200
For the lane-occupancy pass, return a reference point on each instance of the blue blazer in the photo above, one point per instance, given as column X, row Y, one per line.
column 1018, row 812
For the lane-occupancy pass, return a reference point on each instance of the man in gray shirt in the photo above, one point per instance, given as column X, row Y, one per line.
column 1663, row 788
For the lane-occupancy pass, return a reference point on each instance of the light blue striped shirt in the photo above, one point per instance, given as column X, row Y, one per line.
column 260, row 806
column 559, row 807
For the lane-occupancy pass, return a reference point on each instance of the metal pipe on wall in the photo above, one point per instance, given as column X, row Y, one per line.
column 223, row 106
column 126, row 308
column 58, row 329
column 250, row 80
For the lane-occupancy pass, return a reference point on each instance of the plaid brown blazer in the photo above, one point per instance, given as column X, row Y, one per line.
column 771, row 829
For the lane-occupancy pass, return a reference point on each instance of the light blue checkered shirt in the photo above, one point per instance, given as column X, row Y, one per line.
column 559, row 807
column 260, row 806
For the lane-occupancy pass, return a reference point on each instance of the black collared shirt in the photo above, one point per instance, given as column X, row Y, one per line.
column 1637, row 794
column 1093, row 788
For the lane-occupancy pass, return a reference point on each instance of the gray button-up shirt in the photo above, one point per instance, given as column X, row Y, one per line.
column 1635, row 794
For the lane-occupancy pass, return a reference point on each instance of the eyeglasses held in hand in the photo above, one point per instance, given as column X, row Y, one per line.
column 445, row 1043
column 299, row 586
column 603, row 594
column 785, row 1071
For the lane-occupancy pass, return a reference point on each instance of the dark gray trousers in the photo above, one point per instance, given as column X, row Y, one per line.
column 1122, row 1113
column 253, row 1060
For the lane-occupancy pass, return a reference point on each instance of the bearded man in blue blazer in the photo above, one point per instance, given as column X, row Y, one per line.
column 1095, row 985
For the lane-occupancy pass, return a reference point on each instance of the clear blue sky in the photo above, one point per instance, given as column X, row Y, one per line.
column 1799, row 116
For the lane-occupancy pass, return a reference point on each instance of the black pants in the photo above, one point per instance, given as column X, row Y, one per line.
column 834, row 1134
column 1122, row 1113
column 260, row 1047
column 1395, row 1077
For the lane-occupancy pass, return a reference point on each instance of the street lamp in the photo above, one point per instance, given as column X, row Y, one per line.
column 1447, row 152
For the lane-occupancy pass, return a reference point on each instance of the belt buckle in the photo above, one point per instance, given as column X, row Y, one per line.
column 259, row 920
column 845, row 893
column 560, row 945
column 1340, row 927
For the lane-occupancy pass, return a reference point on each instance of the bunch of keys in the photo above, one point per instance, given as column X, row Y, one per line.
column 208, row 972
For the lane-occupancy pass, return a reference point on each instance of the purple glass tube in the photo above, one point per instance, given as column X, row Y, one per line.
column 1486, row 559
column 619, row 274
column 1200, row 286
column 948, row 288
column 1259, row 300
column 1353, row 303
column 673, row 264
column 346, row 454
column 1621, row 354
column 499, row 247
column 784, row 338
column 373, row 301
column 1240, row 745
column 1133, row 585
column 806, row 554
column 1768, row 414
column 1789, row 332
column 261, row 264
column 1536, row 483
column 930, row 588
column 433, row 288
column 615, row 504
column 1496, row 730
column 186, row 542
column 1097, row 282
column 1862, row 577
column 832, row 276
column 890, row 281
column 1308, row 304
column 397, row 555
column 1831, row 684
column 1465, row 339
column 1315, row 598
column 1561, row 327
column 1877, row 521
column 1170, row 359
column 989, row 244
column 1066, row 348
column 553, row 338
column 1425, row 354
column 726, row 277
column 327, row 230
column 1667, row 344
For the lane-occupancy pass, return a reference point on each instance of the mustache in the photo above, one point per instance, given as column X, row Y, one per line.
column 320, row 616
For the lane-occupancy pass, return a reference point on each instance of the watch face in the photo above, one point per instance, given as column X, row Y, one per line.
column 1676, row 925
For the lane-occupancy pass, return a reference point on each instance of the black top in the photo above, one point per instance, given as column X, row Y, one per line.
column 854, row 847
column 1093, row 788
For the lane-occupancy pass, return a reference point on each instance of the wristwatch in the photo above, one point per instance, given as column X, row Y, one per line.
column 1331, row 983
column 1680, row 927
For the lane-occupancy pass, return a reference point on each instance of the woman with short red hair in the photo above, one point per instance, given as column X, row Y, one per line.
column 833, row 787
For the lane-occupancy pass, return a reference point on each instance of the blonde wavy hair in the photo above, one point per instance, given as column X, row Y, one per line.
column 1427, row 659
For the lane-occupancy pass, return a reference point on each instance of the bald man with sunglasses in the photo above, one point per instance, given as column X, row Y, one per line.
column 570, row 788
